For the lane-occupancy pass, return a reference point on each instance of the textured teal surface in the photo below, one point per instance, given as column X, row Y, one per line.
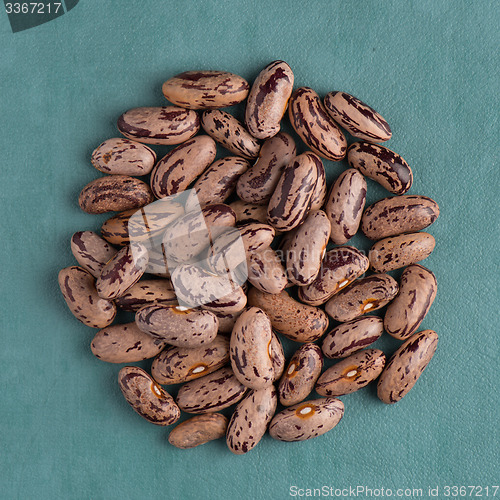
column 429, row 66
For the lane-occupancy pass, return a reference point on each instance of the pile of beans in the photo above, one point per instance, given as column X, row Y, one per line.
column 227, row 351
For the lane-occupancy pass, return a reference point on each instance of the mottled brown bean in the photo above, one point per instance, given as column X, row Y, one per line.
column 352, row 373
column 307, row 420
column 124, row 344
column 266, row 272
column 205, row 89
column 123, row 156
column 344, row 206
column 250, row 419
column 400, row 251
column 277, row 356
column 359, row 119
column 340, row 267
column 248, row 212
column 382, row 165
column 318, row 197
column 298, row 322
column 198, row 430
column 364, row 295
column 315, row 126
column 228, row 131
column 91, row 251
column 164, row 125
column 78, row 288
column 417, row 291
column 147, row 292
column 397, row 215
column 114, row 193
column 232, row 303
column 268, row 99
column 301, row 374
column 348, row 338
column 406, row 365
column 177, row 365
column 146, row 397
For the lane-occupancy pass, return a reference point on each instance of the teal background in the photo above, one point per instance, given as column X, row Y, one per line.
column 429, row 66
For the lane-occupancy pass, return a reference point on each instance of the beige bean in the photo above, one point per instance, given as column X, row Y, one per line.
column 315, row 126
column 301, row 374
column 230, row 133
column 307, row 420
column 319, row 194
column 164, row 125
column 406, row 365
column 345, row 204
column 417, row 291
column 124, row 344
column 177, row 365
column 364, row 295
column 247, row 212
column 147, row 292
column 205, row 89
column 123, row 156
column 400, row 251
column 257, row 184
column 122, row 271
column 397, row 215
column 210, row 393
column 340, row 267
column 268, row 99
column 250, row 419
column 232, row 303
column 78, row 288
column 296, row 321
column 359, row 119
column 352, row 373
column 114, row 193
column 266, row 272
column 146, row 397
column 91, row 251
column 198, row 430
column 177, row 325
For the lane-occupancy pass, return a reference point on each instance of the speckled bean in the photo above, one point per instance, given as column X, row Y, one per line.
column 298, row 322
column 250, row 351
column 301, row 374
column 250, row 419
column 115, row 229
column 307, row 248
column 147, row 292
column 397, row 215
column 248, row 212
column 266, row 272
column 91, row 251
column 364, row 295
column 146, row 397
column 228, row 131
column 257, row 184
column 344, row 206
column 318, row 197
column 164, row 125
column 277, row 356
column 78, row 289
column 307, row 420
column 205, row 89
column 352, row 373
column 340, row 267
column 359, row 119
column 123, row 156
column 268, row 99
column 291, row 199
column 177, row 365
column 114, row 193
column 198, row 430
column 124, row 343
column 348, row 338
column 181, row 166
column 177, row 325
column 211, row 393
column 315, row 126
column 406, row 365
column 400, row 251
column 417, row 291
column 231, row 303
column 122, row 271
column 382, row 165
